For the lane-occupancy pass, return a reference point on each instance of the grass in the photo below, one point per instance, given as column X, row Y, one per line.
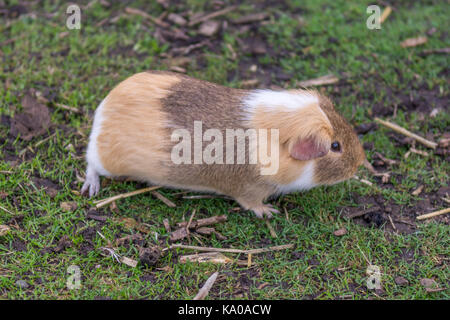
column 79, row 70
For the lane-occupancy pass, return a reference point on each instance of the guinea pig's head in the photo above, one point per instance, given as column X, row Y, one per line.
column 345, row 153
column 326, row 139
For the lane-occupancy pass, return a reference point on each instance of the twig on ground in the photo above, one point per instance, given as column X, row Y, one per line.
column 328, row 79
column 433, row 214
column 386, row 160
column 164, row 199
column 211, row 257
column 145, row 15
column 211, row 249
column 422, row 153
column 361, row 213
column 104, row 202
column 363, row 181
column 66, row 107
column 211, row 15
column 407, row 133
column 203, row 292
column 203, row 222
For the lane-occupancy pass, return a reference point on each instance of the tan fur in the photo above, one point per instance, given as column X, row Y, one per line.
column 130, row 142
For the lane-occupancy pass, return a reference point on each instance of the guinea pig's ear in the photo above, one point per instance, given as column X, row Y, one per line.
column 309, row 148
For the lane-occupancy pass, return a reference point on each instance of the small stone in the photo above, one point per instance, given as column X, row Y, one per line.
column 22, row 284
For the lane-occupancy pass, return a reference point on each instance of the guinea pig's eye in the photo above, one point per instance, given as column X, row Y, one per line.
column 336, row 147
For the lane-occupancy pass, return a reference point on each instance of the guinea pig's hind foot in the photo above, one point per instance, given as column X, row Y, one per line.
column 91, row 183
column 264, row 210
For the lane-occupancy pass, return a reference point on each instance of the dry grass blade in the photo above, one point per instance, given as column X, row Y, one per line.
column 104, row 202
column 407, row 133
column 386, row 12
column 6, row 210
column 328, row 79
column 363, row 181
column 66, row 107
column 203, row 292
column 271, row 229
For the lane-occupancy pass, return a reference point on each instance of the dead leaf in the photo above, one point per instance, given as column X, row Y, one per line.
column 33, row 121
column 413, row 42
column 340, row 232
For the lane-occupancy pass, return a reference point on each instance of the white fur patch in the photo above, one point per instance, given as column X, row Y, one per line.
column 304, row 182
column 270, row 99
column 92, row 156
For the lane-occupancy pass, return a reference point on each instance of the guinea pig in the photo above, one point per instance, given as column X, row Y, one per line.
column 159, row 127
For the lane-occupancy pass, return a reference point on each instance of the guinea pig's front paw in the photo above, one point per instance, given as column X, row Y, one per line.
column 265, row 210
column 91, row 183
